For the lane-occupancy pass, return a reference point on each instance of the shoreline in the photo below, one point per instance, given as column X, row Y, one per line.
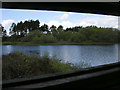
column 83, row 43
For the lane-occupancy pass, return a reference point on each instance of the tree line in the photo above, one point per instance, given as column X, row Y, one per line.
column 31, row 31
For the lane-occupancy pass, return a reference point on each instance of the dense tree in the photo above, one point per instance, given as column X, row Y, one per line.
column 3, row 33
column 60, row 28
column 13, row 29
column 76, row 28
column 22, row 28
column 44, row 28
column 69, row 29
column 30, row 31
column 54, row 30
column 60, row 32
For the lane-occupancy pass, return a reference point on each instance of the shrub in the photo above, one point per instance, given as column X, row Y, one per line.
column 18, row 65
column 44, row 39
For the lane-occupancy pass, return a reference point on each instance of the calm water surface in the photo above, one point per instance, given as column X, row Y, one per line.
column 92, row 54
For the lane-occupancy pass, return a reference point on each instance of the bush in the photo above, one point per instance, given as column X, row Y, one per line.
column 31, row 36
column 44, row 39
column 18, row 65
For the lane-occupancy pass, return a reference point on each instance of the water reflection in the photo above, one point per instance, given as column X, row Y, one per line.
column 91, row 54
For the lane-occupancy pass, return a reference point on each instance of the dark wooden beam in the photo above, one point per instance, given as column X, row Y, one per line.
column 104, row 76
column 106, row 8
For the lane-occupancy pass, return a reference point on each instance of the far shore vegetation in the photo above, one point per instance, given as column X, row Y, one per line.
column 58, row 43
column 32, row 33
column 17, row 65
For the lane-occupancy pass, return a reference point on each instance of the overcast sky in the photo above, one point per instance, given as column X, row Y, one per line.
column 66, row 19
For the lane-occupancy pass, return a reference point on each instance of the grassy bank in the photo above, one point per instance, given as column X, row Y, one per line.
column 18, row 65
column 57, row 43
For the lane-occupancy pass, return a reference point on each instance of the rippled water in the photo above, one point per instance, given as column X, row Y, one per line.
column 92, row 54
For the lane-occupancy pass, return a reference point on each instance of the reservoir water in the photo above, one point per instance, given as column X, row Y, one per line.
column 94, row 55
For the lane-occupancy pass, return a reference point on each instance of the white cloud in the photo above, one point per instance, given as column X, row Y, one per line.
column 6, row 23
column 63, row 16
column 53, row 22
column 101, row 21
column 65, row 24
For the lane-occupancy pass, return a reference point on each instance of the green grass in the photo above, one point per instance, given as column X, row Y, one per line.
column 57, row 43
column 18, row 65
column 12, row 43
